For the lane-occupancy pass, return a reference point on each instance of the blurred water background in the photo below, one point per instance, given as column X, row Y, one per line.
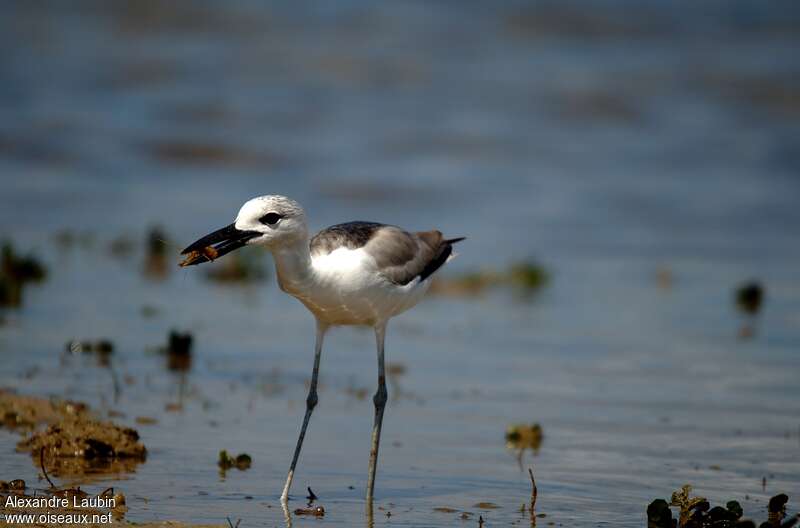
column 646, row 153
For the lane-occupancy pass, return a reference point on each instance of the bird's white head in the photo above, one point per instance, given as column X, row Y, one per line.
column 272, row 221
column 278, row 220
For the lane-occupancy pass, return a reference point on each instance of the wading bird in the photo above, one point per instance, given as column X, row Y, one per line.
column 357, row 273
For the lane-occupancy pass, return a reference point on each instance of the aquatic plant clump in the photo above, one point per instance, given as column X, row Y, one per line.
column 241, row 462
column 524, row 278
column 88, row 439
column 15, row 273
column 26, row 412
column 696, row 512
column 750, row 297
column 524, row 436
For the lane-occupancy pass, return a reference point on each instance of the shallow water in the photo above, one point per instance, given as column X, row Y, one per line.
column 607, row 142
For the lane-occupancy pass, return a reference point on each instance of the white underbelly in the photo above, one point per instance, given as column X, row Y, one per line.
column 345, row 287
column 360, row 306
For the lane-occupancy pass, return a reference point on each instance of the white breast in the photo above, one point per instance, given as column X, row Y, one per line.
column 348, row 289
column 347, row 268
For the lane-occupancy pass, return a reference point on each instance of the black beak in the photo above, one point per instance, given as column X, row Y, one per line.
column 216, row 244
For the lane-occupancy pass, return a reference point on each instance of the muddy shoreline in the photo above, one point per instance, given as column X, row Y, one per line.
column 68, row 441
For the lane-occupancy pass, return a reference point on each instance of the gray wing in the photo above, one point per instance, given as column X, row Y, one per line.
column 352, row 235
column 401, row 256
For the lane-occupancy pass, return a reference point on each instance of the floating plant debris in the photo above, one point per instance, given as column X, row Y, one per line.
column 241, row 462
column 101, row 347
column 178, row 351
column 465, row 285
column 148, row 310
column 750, row 297
column 696, row 512
column 524, row 436
column 319, row 511
column 157, row 242
column 773, row 93
column 104, row 347
column 525, row 277
column 67, row 240
column 179, row 344
column 15, row 273
column 395, row 369
column 359, row 393
column 664, row 278
column 204, row 154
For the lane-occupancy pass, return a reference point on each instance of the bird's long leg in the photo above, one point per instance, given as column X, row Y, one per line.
column 380, row 404
column 311, row 402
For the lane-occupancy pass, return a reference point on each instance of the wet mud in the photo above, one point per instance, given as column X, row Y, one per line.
column 74, row 444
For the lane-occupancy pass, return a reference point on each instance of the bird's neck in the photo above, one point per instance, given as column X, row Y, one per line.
column 293, row 266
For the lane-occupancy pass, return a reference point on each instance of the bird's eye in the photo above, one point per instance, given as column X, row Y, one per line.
column 270, row 218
